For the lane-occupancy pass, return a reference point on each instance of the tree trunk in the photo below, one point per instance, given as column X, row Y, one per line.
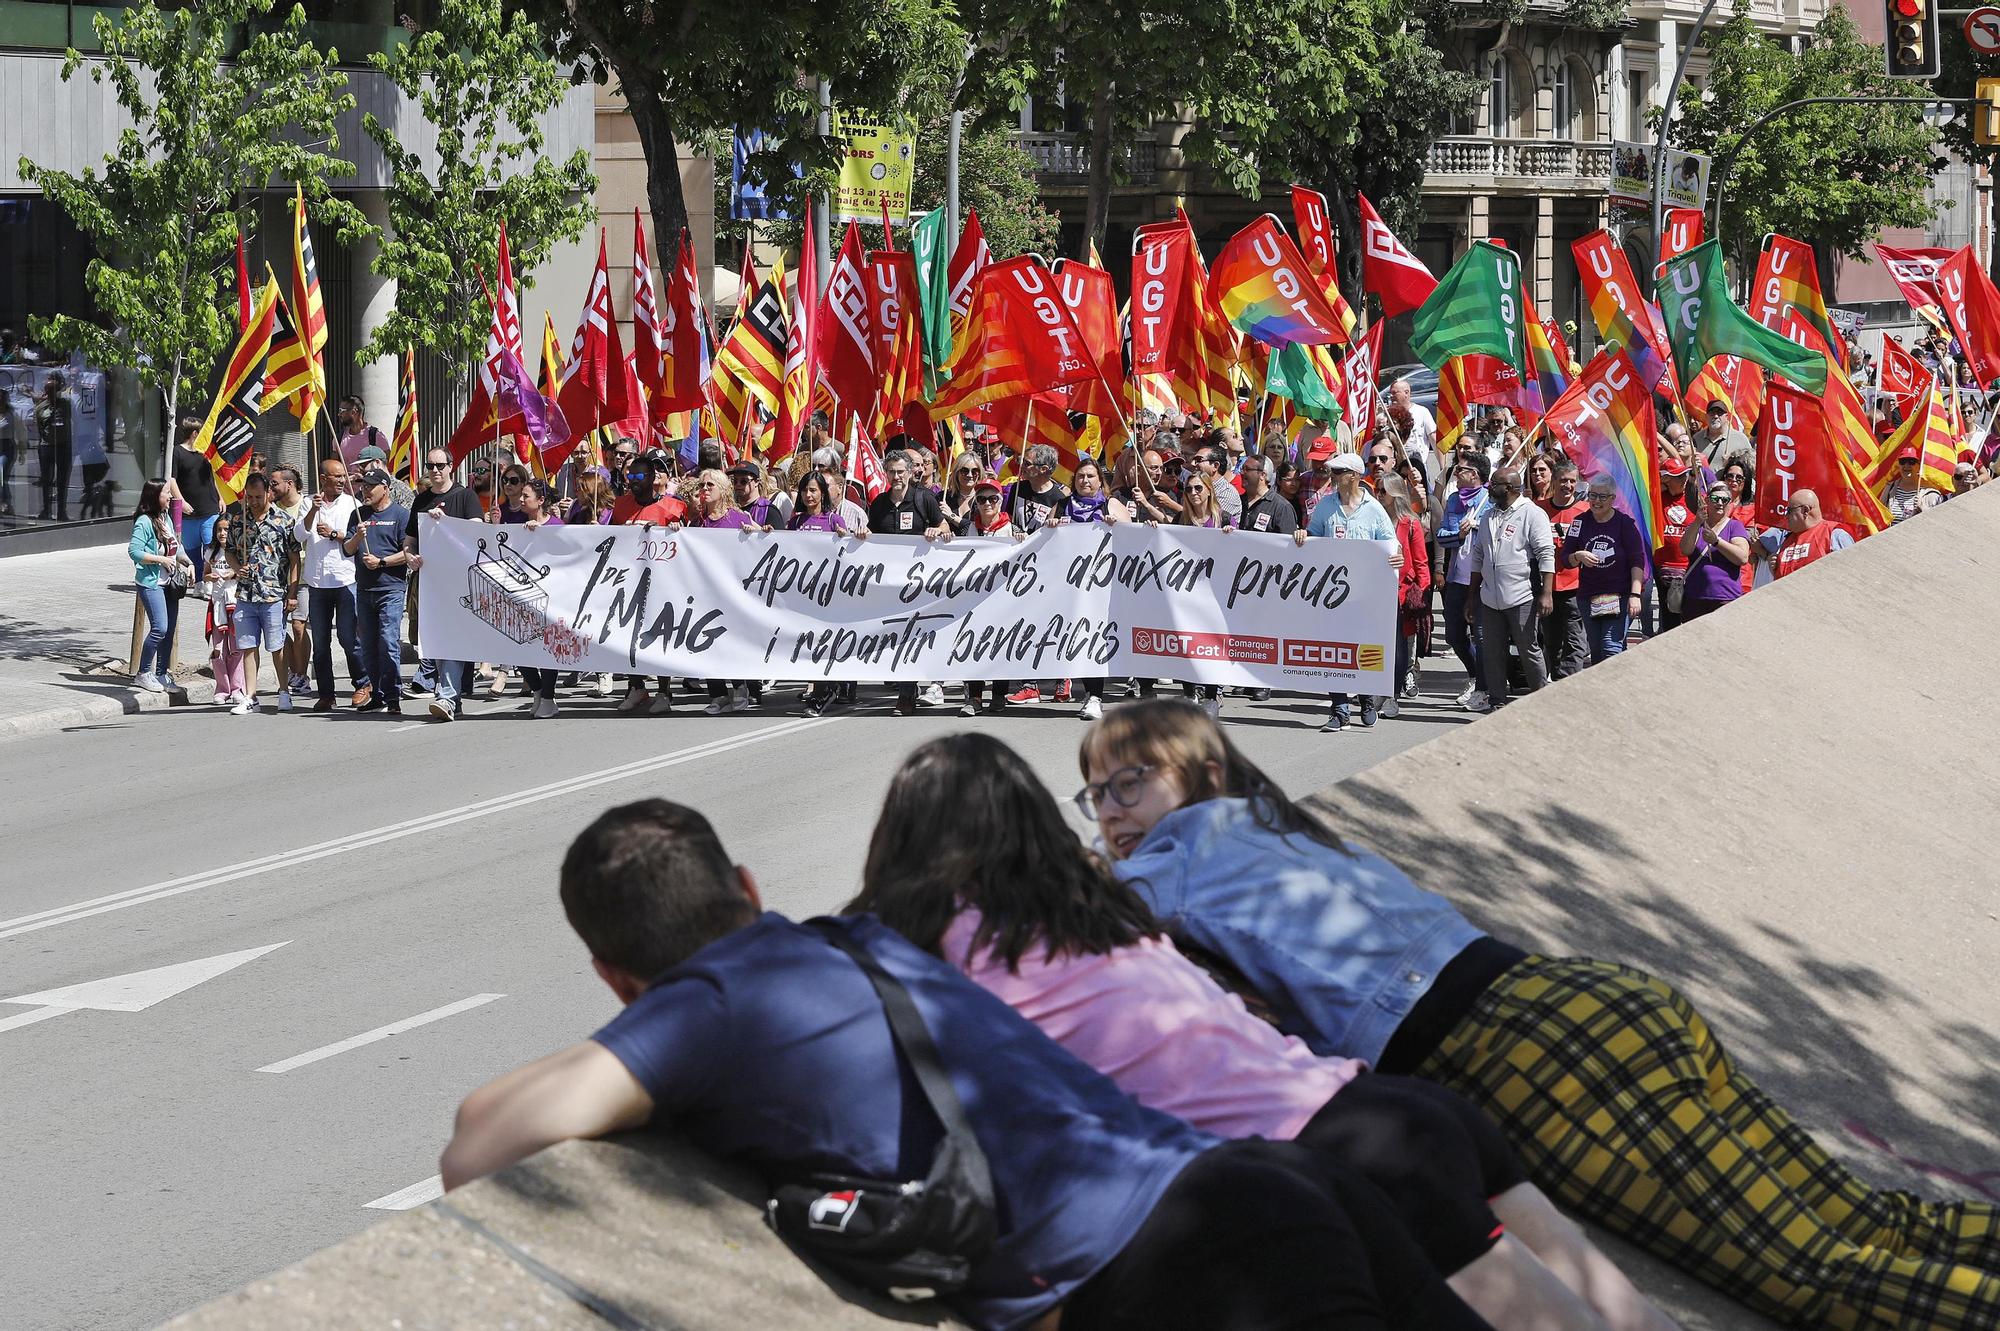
column 664, row 198
column 1097, row 195
column 1341, row 203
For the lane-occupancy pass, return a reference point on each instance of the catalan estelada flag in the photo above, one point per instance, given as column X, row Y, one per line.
column 405, row 447
column 1605, row 424
column 1262, row 285
column 229, row 432
column 297, row 373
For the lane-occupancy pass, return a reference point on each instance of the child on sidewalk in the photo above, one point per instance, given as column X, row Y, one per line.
column 219, row 585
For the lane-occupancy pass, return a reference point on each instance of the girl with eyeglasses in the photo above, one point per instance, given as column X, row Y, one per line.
column 1026, row 912
column 1615, row 1093
column 967, row 472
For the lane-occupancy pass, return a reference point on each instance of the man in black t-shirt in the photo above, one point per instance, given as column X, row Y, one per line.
column 906, row 509
column 195, row 479
column 1037, row 496
column 450, row 681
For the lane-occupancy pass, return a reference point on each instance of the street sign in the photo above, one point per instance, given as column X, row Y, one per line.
column 1982, row 30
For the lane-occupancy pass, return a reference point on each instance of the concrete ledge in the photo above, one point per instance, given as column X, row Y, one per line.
column 646, row 1229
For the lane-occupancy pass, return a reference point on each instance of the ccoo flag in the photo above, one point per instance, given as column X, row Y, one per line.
column 1476, row 309
column 1703, row 323
column 1264, row 288
column 1605, row 424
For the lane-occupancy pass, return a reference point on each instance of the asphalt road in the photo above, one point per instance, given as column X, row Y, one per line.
column 232, row 1124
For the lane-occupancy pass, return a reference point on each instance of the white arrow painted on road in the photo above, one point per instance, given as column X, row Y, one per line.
column 129, row 993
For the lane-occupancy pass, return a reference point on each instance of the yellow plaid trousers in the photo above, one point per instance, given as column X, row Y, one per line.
column 1623, row 1105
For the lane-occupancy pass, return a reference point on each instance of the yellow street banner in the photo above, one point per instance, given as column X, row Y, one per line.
column 875, row 171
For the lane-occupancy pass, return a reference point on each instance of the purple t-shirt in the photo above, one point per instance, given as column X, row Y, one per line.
column 1616, row 540
column 1711, row 577
column 731, row 517
column 817, row 522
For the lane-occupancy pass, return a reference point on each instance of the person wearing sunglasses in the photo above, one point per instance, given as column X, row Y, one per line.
column 1907, row 495
column 1604, row 548
column 1464, row 504
column 1718, row 546
column 1808, row 537
column 961, row 484
column 447, row 681
column 1739, row 473
column 989, row 518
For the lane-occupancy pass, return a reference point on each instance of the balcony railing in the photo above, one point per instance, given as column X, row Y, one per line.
column 1066, row 157
column 1540, row 159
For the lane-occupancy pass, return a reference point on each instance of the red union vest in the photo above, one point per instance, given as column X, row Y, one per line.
column 1803, row 548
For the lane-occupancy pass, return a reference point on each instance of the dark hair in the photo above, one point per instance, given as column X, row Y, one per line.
column 648, row 885
column 152, row 501
column 298, row 482
column 1480, row 462
column 354, row 400
column 1749, row 465
column 256, row 478
column 1011, row 857
column 189, row 427
column 1177, row 735
column 827, row 503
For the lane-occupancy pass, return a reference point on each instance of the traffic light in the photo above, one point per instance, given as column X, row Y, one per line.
column 1986, row 113
column 1912, row 48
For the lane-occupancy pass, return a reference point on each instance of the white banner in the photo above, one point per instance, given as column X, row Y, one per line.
column 1213, row 607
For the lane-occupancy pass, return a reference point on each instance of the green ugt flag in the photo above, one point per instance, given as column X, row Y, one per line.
column 1476, row 309
column 1293, row 375
column 930, row 243
column 1703, row 323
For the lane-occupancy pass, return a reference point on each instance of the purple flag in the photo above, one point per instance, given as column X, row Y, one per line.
column 521, row 406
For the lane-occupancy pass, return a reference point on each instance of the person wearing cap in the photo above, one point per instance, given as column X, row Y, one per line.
column 1907, row 495
column 1512, row 567
column 1465, row 501
column 746, row 487
column 372, row 458
column 1720, row 440
column 1717, row 548
column 1808, row 537
column 375, row 542
column 1349, row 512
column 1677, row 518
column 1318, row 478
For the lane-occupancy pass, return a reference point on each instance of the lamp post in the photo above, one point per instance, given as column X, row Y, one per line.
column 1666, row 123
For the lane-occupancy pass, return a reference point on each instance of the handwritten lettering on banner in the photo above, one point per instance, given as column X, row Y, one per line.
column 1211, row 607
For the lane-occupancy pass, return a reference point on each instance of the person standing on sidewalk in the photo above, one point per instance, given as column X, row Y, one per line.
column 289, row 498
column 156, row 562
column 1511, row 568
column 375, row 538
column 266, row 554
column 440, row 498
column 194, row 480
column 329, row 578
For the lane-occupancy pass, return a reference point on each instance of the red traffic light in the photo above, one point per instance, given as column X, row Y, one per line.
column 1909, row 8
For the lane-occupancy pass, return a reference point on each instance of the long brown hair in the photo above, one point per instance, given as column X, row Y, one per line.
column 1177, row 736
column 967, row 823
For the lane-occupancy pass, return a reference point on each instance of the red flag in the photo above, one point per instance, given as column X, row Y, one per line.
column 478, row 425
column 1972, row 308
column 1159, row 297
column 1019, row 339
column 897, row 326
column 1795, row 451
column 1904, row 377
column 1680, row 233
column 1092, row 302
column 1916, row 272
column 595, row 390
column 801, row 350
column 1363, row 361
column 680, row 330
column 243, row 313
column 1388, row 269
column 842, row 340
column 648, row 345
column 864, row 468
column 968, row 258
column 1315, row 228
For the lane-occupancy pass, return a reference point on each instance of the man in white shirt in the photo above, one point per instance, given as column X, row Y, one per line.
column 1513, row 560
column 1421, row 442
column 329, row 579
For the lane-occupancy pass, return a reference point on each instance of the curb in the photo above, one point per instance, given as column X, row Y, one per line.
column 96, row 708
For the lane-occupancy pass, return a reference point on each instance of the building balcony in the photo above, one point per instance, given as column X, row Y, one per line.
column 1540, row 165
column 1064, row 159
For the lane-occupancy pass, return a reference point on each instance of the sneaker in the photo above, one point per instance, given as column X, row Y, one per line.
column 634, row 699
column 814, row 706
column 284, row 700
column 1062, row 691
column 603, row 686
column 544, row 709
column 1478, row 702
column 297, row 684
column 394, row 707
column 717, row 706
column 931, row 695
column 363, row 696
column 1257, row 695
column 243, row 707
column 443, row 711
column 225, row 699
column 322, row 703
column 739, row 698
column 661, row 705
column 147, row 683
column 968, row 708
column 1465, row 699
column 1369, row 710
column 170, row 684
column 1334, row 724
column 1093, row 708
column 1391, row 708
column 1027, row 693
column 1213, row 706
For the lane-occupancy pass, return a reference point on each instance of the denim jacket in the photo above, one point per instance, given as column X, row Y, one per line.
column 1341, row 944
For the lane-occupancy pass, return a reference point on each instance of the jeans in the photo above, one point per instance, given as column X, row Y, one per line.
column 381, row 636
column 1497, row 628
column 163, row 612
column 333, row 611
column 454, row 680
column 1459, row 633
column 1606, row 634
column 1563, row 644
column 196, row 533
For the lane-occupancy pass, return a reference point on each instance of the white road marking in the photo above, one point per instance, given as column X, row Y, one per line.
column 30, row 1018
column 129, row 993
column 410, row 1198
column 138, row 896
column 381, row 1033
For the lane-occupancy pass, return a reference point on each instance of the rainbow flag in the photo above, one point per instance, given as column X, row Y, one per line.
column 1605, row 424
column 1262, row 286
column 1548, row 366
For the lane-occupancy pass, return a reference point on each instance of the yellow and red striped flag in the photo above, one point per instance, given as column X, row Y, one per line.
column 228, row 434
column 297, row 372
column 405, row 447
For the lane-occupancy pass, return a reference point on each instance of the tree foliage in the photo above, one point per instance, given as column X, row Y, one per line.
column 482, row 80
column 1833, row 176
column 214, row 115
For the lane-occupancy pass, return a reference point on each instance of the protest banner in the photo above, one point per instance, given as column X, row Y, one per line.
column 1212, row 607
column 877, row 164
column 1685, row 183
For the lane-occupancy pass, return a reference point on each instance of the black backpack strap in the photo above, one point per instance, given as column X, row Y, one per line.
column 906, row 1024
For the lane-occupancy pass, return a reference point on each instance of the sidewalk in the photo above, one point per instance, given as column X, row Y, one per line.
column 65, row 629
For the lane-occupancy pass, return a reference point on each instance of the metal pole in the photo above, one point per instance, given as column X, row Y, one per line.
column 823, row 207
column 951, row 173
column 1666, row 123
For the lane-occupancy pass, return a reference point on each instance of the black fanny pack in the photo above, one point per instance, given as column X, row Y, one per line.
column 911, row 1239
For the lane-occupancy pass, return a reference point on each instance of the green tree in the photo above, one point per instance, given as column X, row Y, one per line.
column 215, row 114
column 481, row 79
column 708, row 67
column 1834, row 176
